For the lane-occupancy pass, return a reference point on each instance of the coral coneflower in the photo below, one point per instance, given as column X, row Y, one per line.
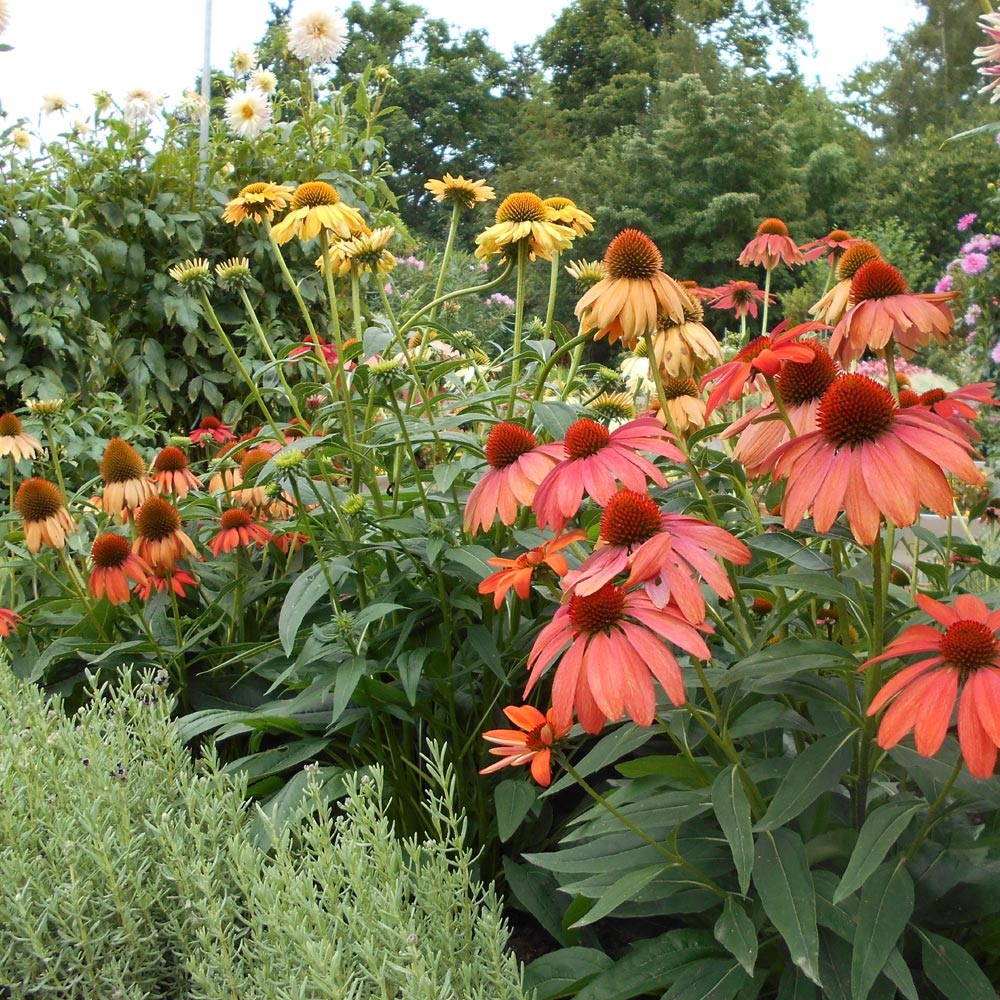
column 832, row 306
column 46, row 520
column 835, row 241
column 174, row 580
column 517, row 464
column 523, row 216
column 238, row 530
column 665, row 552
column 740, row 296
column 256, row 202
column 531, row 743
column 172, row 474
column 159, row 539
column 14, row 441
column 115, row 564
column 869, row 457
column 460, row 191
column 316, row 205
column 596, row 460
column 609, row 646
column 771, row 246
column 885, row 309
column 9, row 620
column 961, row 662
column 517, row 573
column 214, row 428
column 126, row 485
column 635, row 292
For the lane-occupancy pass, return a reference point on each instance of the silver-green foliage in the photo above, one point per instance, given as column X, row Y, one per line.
column 124, row 873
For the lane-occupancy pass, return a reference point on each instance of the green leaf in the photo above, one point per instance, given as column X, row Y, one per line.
column 781, row 875
column 796, row 986
column 732, row 809
column 735, row 931
column 886, row 905
column 309, row 586
column 34, row 274
column 276, row 761
column 555, row 418
column 681, row 769
column 708, row 979
column 410, row 664
column 564, row 973
column 536, row 892
column 881, row 830
column 621, row 891
column 348, row 674
column 816, row 584
column 769, row 668
column 619, row 743
column 513, row 800
column 953, row 970
column 816, row 770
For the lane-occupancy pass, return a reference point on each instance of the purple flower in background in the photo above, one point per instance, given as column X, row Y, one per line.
column 995, row 353
column 966, row 221
column 500, row 300
column 975, row 263
column 944, row 285
column 972, row 314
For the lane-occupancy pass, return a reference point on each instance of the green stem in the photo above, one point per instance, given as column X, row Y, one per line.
column 515, row 364
column 767, row 300
column 458, row 293
column 445, row 260
column 289, row 280
column 932, row 813
column 550, row 309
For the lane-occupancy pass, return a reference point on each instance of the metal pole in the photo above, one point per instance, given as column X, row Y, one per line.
column 206, row 93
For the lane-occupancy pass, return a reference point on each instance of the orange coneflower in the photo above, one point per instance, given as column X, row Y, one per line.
column 634, row 294
column 172, row 473
column 46, row 520
column 159, row 539
column 9, row 620
column 214, row 428
column 961, row 662
column 14, row 441
column 174, row 580
column 126, row 485
column 115, row 564
column 517, row 573
column 238, row 530
column 688, row 348
column 531, row 743
column 684, row 404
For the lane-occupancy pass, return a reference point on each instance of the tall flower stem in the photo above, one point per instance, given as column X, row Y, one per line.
column 767, row 299
column 515, row 363
column 289, row 280
column 50, row 437
column 550, row 309
column 456, row 210
column 932, row 813
column 458, row 293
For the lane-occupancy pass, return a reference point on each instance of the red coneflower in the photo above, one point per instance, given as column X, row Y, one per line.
column 114, row 565
column 867, row 457
column 238, row 530
column 770, row 246
column 665, row 552
column 211, row 428
column 175, row 580
column 46, row 520
column 160, row 541
column 740, row 296
column 9, row 620
column 126, row 485
column 14, row 441
column 634, row 293
column 517, row 464
column 596, row 460
column 531, row 743
column 610, row 645
column 885, row 309
column 517, row 573
column 172, row 474
column 962, row 662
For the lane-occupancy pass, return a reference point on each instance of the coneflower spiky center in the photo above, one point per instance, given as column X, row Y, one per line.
column 522, row 206
column 801, row 382
column 876, row 279
column 156, row 520
column 754, row 349
column 969, row 645
column 772, row 227
column 235, row 517
column 854, row 410
column 633, row 255
column 837, row 236
column 629, row 518
column 674, row 388
column 121, row 462
column 584, row 438
column 854, row 257
column 597, row 612
column 507, row 443
column 110, row 551
column 37, row 500
column 932, row 396
column 10, row 425
column 251, row 459
column 312, row 194
column 171, row 459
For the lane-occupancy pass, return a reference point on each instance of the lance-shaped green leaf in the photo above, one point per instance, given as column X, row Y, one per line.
column 732, row 809
column 886, row 905
column 735, row 931
column 953, row 970
column 881, row 830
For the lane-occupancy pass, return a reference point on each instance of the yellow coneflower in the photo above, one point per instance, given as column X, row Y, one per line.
column 612, row 408
column 367, row 251
column 257, row 201
column 46, row 520
column 586, row 273
column 126, row 485
column 159, row 540
column 685, row 404
column 459, row 191
column 524, row 216
column 316, row 205
column 193, row 274
column 565, row 212
column 14, row 441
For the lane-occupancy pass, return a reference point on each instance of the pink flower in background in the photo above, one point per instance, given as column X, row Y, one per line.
column 966, row 221
column 995, row 353
column 975, row 263
column 946, row 284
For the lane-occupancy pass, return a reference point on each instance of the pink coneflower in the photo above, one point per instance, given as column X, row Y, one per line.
column 960, row 404
column 961, row 662
column 885, row 309
column 665, row 552
column 517, row 573
column 770, row 246
column 834, row 241
column 14, row 441
column 531, row 743
column 172, row 474
column 211, row 428
column 9, row 620
column 159, row 539
column 517, row 464
column 869, row 457
column 43, row 511
column 596, row 460
column 764, row 356
column 115, row 564
column 610, row 645
column 740, row 296
column 832, row 306
column 238, row 530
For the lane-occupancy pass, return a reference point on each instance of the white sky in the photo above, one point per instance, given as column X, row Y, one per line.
column 74, row 48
